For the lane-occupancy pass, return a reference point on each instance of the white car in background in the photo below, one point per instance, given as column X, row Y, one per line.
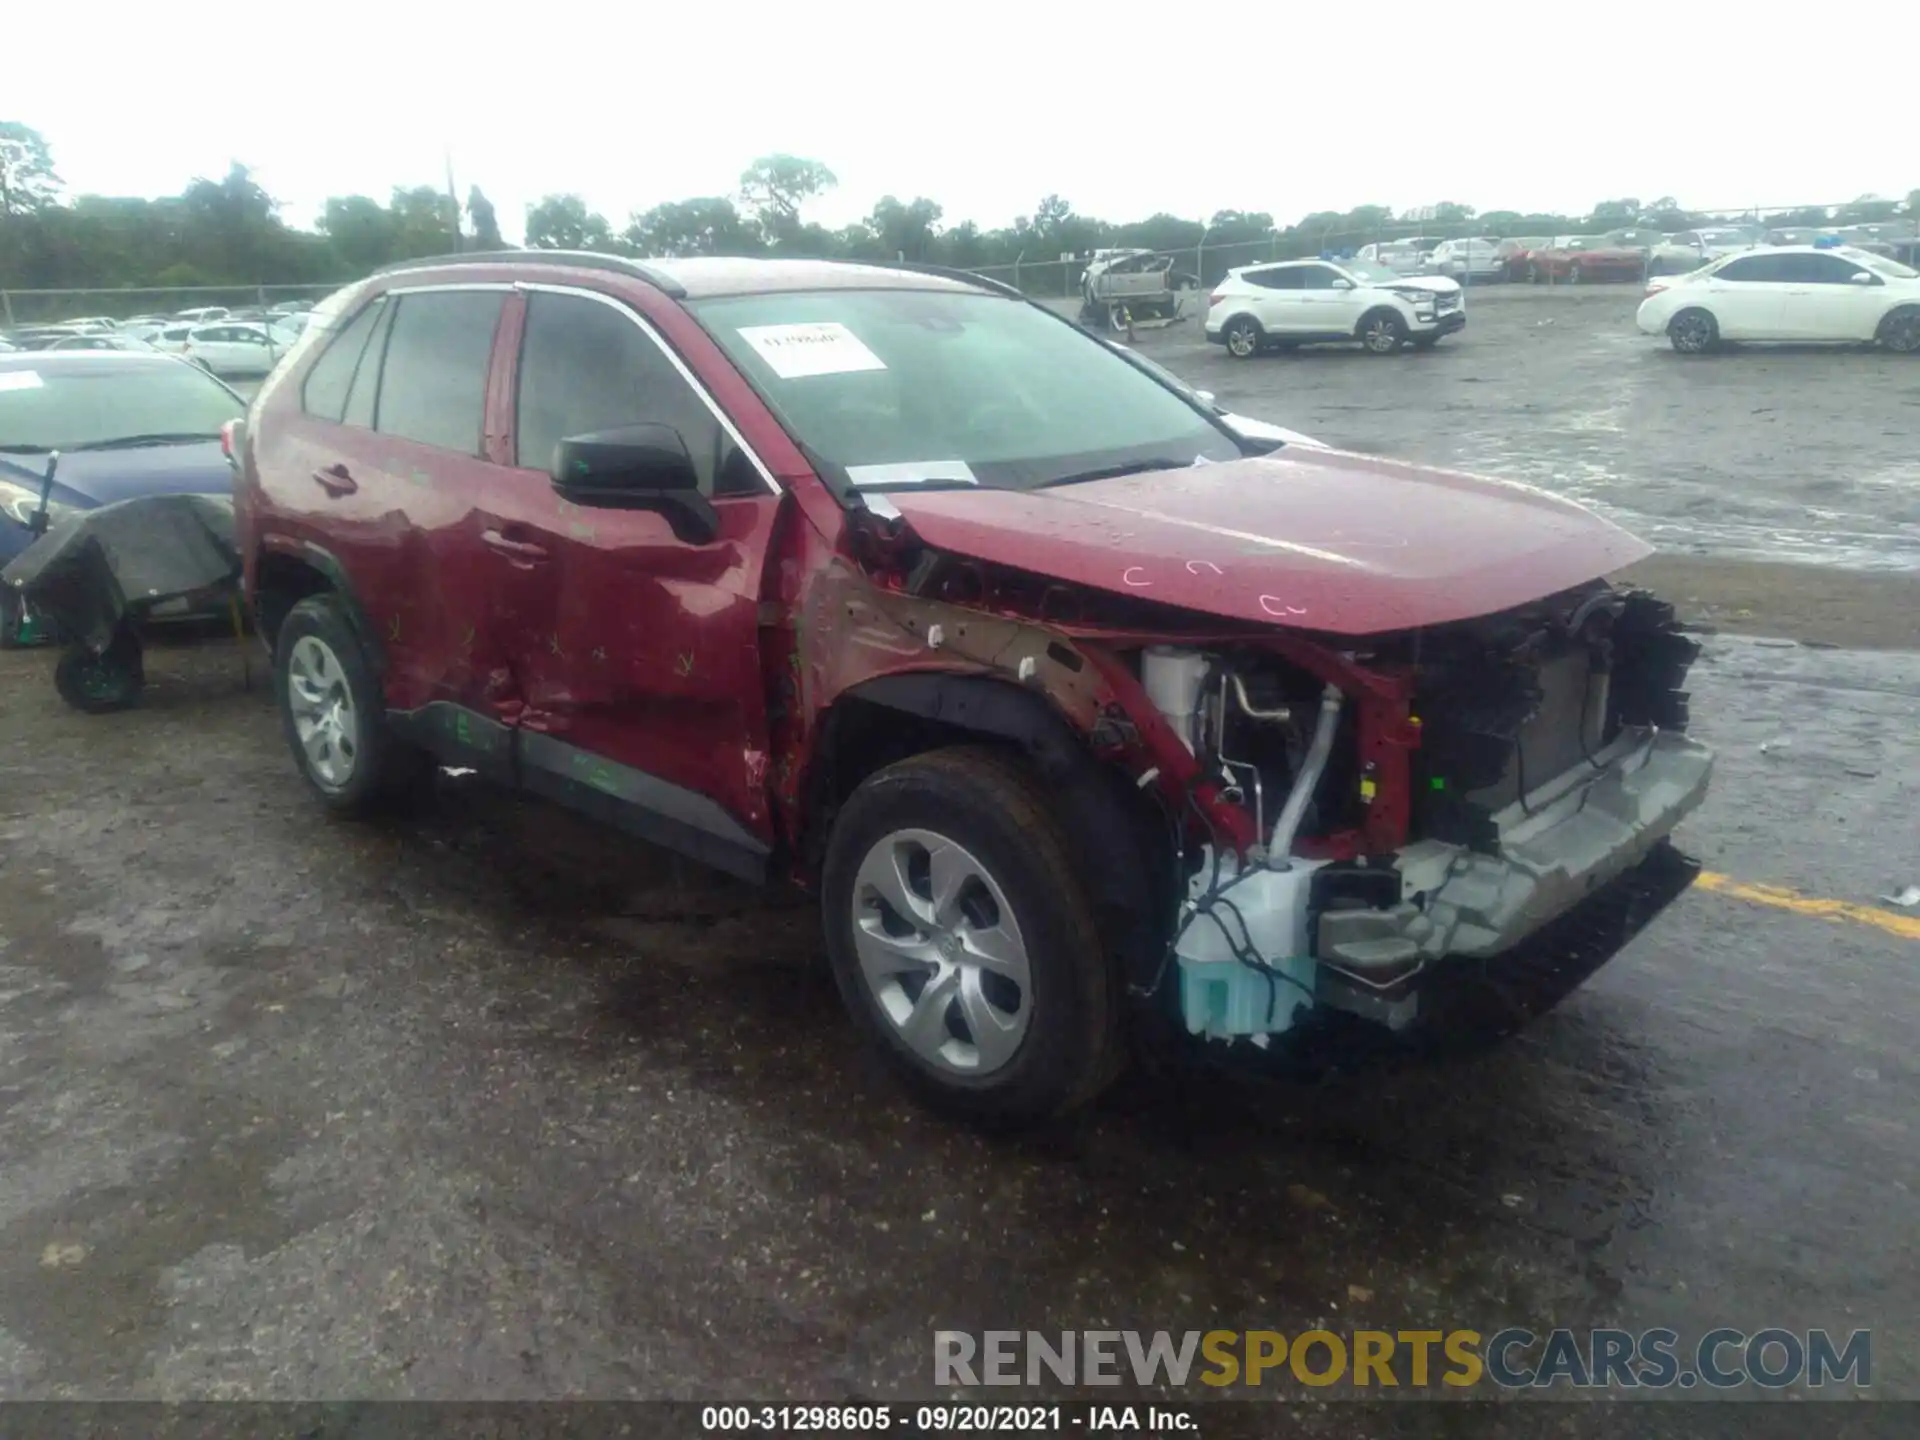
column 1403, row 257
column 1797, row 292
column 1690, row 249
column 233, row 348
column 1474, row 259
column 1318, row 302
column 202, row 314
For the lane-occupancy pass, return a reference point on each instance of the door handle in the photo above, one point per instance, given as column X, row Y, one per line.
column 521, row 552
column 335, row 480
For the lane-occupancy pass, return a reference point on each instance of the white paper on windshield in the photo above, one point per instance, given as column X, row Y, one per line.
column 20, row 380
column 912, row 472
column 824, row 348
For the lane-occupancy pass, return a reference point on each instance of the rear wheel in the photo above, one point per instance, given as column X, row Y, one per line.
column 1383, row 332
column 1900, row 331
column 963, row 942
column 1694, row 332
column 332, row 712
column 1243, row 337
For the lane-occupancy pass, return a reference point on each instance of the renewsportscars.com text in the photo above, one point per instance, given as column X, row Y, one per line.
column 1512, row 1358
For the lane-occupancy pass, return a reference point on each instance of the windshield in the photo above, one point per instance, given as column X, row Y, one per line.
column 1892, row 269
column 1368, row 271
column 70, row 408
column 913, row 387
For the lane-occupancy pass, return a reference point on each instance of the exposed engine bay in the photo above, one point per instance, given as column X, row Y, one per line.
column 1548, row 762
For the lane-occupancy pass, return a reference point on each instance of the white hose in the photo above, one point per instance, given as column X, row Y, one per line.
column 1287, row 827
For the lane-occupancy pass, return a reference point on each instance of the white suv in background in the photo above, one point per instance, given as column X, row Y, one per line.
column 1469, row 260
column 1316, row 302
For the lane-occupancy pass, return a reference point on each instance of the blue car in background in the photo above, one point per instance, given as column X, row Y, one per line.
column 125, row 424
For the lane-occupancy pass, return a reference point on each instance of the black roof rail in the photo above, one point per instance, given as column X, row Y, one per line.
column 950, row 272
column 574, row 259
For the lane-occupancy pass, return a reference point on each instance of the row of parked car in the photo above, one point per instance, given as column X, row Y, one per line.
column 1822, row 293
column 234, row 344
column 1627, row 254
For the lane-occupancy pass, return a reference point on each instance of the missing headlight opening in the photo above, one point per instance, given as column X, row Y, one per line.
column 1492, row 793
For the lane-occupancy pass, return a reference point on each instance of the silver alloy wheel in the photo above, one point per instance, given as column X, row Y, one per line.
column 1381, row 337
column 324, row 716
column 1573, row 274
column 1902, row 335
column 1691, row 333
column 941, row 952
column 1241, row 340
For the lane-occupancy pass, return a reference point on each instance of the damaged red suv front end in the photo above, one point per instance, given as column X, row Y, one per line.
column 1087, row 717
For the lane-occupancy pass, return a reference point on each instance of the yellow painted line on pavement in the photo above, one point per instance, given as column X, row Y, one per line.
column 1907, row 927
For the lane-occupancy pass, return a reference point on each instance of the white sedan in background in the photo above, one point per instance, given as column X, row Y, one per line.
column 1791, row 293
column 226, row 348
column 1475, row 259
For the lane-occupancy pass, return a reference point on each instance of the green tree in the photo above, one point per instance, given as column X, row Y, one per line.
column 27, row 181
column 362, row 232
column 709, row 225
column 424, row 221
column 486, row 225
column 1609, row 214
column 910, row 229
column 1868, row 210
column 563, row 222
column 774, row 187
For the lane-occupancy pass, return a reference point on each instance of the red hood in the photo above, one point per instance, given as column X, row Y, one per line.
column 1321, row 540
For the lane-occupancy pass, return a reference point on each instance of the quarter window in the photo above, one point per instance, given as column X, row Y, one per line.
column 433, row 383
column 324, row 394
column 587, row 366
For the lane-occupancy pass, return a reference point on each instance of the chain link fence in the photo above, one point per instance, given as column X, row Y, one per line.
column 22, row 309
column 1042, row 277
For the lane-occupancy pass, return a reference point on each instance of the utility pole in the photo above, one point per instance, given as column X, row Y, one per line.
column 453, row 198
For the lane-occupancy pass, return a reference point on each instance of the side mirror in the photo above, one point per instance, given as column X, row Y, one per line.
column 1343, row 284
column 637, row 467
column 1205, row 397
column 1861, row 277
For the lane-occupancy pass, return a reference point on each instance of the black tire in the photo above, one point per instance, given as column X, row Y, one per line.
column 103, row 683
column 1573, row 273
column 1694, row 332
column 382, row 768
column 993, row 809
column 1534, row 275
column 11, row 615
column 1900, row 331
column 1244, row 337
column 1382, row 332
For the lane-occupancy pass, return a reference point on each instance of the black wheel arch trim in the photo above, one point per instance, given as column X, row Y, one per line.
column 1121, row 847
column 328, row 565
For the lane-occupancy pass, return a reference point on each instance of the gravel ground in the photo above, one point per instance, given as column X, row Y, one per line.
column 1786, row 453
column 489, row 1104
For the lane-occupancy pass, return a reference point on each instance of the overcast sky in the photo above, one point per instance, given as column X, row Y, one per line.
column 982, row 107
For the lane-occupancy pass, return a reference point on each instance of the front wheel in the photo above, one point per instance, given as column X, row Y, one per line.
column 963, row 942
column 1693, row 332
column 1900, row 331
column 1383, row 332
column 1243, row 338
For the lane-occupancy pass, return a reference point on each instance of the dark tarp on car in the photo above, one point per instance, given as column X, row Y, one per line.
column 91, row 570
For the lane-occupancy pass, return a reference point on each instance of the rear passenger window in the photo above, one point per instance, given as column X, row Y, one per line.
column 1275, row 279
column 1751, row 269
column 587, row 366
column 325, row 393
column 433, row 383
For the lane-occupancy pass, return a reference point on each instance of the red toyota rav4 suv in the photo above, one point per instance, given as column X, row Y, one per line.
column 1088, row 719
